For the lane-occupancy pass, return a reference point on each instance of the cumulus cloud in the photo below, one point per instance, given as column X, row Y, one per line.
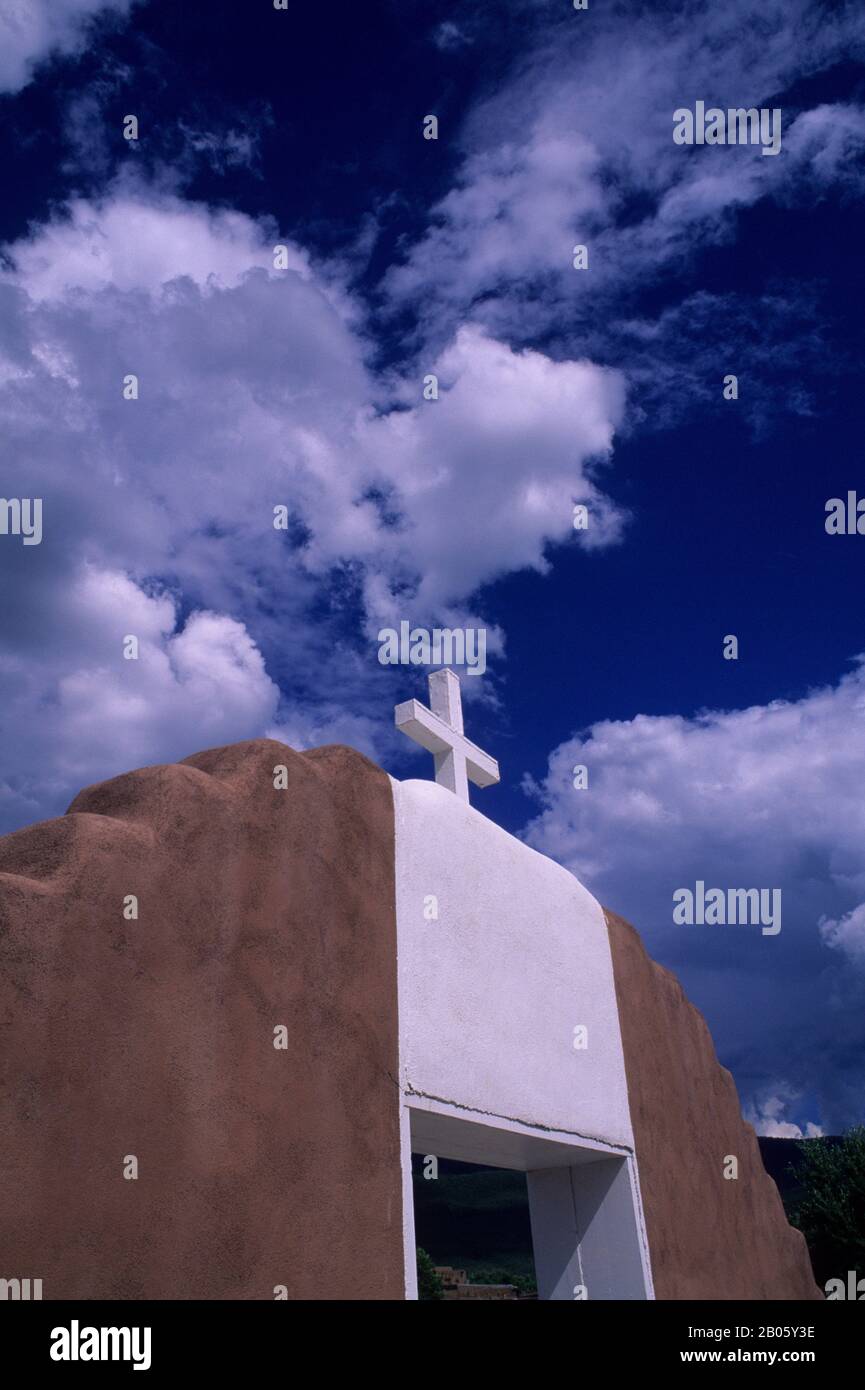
column 33, row 30
column 127, row 243
column 486, row 476
column 766, row 797
column 252, row 379
column 253, row 394
column 766, row 1115
column 81, row 709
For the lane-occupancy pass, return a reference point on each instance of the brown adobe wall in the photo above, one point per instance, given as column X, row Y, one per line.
column 257, row 907
column 709, row 1237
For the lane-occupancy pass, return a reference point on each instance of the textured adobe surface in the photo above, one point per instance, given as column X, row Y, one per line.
column 257, row 907
column 709, row 1237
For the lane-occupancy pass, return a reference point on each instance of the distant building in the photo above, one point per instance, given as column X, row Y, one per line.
column 456, row 1285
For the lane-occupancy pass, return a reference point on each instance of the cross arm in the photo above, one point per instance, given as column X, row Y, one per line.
column 432, row 733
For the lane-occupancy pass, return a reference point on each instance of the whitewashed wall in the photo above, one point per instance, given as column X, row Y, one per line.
column 490, row 993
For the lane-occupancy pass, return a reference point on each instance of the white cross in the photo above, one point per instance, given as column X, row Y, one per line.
column 440, row 730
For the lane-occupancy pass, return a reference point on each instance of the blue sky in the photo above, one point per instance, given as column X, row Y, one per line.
column 302, row 387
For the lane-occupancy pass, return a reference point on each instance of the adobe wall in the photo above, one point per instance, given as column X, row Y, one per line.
column 154, row 1037
column 709, row 1237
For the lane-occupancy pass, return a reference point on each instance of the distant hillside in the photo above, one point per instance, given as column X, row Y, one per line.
column 473, row 1218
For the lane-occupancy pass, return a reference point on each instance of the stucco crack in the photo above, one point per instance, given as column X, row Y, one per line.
column 519, row 1120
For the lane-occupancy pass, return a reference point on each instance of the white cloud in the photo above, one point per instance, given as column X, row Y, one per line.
column 129, row 243
column 255, row 380
column 81, row 710
column 766, row 1115
column 828, row 143
column 33, row 30
column 330, row 722
column 765, row 797
column 254, row 393
column 847, row 935
column 577, row 148
column 487, row 474
column 722, row 776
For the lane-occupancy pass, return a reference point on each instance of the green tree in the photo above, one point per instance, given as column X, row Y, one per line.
column 523, row 1283
column 429, row 1285
column 830, row 1213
